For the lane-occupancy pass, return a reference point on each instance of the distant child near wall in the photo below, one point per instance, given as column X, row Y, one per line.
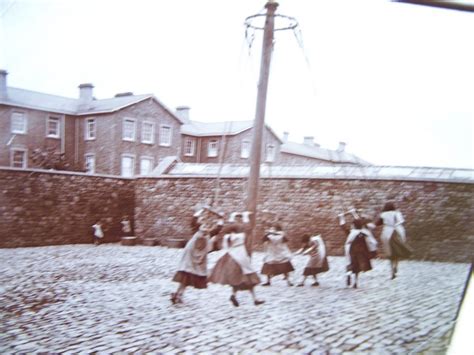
column 317, row 262
column 126, row 227
column 98, row 233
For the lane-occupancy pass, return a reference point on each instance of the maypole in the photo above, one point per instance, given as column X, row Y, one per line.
column 259, row 122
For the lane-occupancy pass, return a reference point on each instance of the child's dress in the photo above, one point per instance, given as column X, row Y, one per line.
column 192, row 269
column 318, row 262
column 278, row 256
column 234, row 268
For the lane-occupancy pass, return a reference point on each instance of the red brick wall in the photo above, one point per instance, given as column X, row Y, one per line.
column 45, row 208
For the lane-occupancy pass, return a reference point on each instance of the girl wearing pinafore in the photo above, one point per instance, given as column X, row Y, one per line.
column 192, row 269
column 277, row 260
column 234, row 268
column 393, row 236
column 317, row 262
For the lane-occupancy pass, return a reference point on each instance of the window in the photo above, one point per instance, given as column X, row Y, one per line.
column 53, row 127
column 146, row 165
column 148, row 129
column 212, row 148
column 245, row 149
column 189, row 147
column 18, row 158
column 165, row 136
column 128, row 129
column 90, row 129
column 128, row 165
column 90, row 163
column 270, row 153
column 18, row 123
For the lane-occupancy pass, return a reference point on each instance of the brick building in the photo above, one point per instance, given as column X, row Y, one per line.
column 125, row 135
column 130, row 135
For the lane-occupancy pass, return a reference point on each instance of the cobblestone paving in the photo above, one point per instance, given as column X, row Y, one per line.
column 112, row 298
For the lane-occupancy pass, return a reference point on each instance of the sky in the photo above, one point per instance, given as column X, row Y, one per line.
column 394, row 81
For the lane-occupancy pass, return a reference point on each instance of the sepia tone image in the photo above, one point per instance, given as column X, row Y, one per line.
column 253, row 177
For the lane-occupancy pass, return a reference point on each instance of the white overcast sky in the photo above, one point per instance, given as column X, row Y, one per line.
column 394, row 81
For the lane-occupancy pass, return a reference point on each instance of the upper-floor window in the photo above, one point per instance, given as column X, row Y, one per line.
column 90, row 129
column 270, row 153
column 90, row 163
column 129, row 129
column 18, row 123
column 213, row 148
column 148, row 130
column 128, row 165
column 189, row 147
column 18, row 158
column 245, row 149
column 165, row 135
column 53, row 127
column 146, row 165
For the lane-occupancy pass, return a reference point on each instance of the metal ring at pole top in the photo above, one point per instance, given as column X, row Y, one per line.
column 291, row 22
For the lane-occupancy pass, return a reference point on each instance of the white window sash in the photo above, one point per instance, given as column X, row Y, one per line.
column 150, row 130
column 90, row 163
column 129, row 130
column 53, row 127
column 245, row 149
column 22, row 161
column 213, row 148
column 165, row 136
column 91, row 129
column 189, row 147
column 18, row 123
column 127, row 166
column 146, row 166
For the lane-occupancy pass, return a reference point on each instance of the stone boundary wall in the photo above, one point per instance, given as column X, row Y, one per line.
column 49, row 207
column 40, row 207
column 438, row 215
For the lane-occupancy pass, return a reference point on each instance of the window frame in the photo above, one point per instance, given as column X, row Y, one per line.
column 213, row 152
column 270, row 148
column 132, row 157
column 52, row 118
column 165, row 144
column 247, row 155
column 134, row 121
column 191, row 151
column 152, row 162
column 25, row 122
column 24, row 160
column 152, row 133
column 87, row 131
column 86, row 156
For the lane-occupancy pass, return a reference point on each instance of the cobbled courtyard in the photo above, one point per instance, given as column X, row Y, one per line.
column 116, row 299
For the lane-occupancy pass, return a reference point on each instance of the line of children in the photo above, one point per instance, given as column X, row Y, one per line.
column 234, row 268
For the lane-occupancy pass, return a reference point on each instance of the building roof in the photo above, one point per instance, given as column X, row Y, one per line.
column 65, row 105
column 325, row 172
column 211, row 129
column 205, row 129
column 316, row 152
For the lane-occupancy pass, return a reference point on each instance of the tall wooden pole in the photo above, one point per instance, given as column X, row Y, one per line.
column 259, row 122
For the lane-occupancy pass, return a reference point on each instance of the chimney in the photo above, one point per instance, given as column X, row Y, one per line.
column 183, row 113
column 309, row 140
column 85, row 93
column 3, row 84
column 342, row 147
column 285, row 136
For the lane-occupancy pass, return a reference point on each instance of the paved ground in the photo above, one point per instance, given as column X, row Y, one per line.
column 112, row 298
